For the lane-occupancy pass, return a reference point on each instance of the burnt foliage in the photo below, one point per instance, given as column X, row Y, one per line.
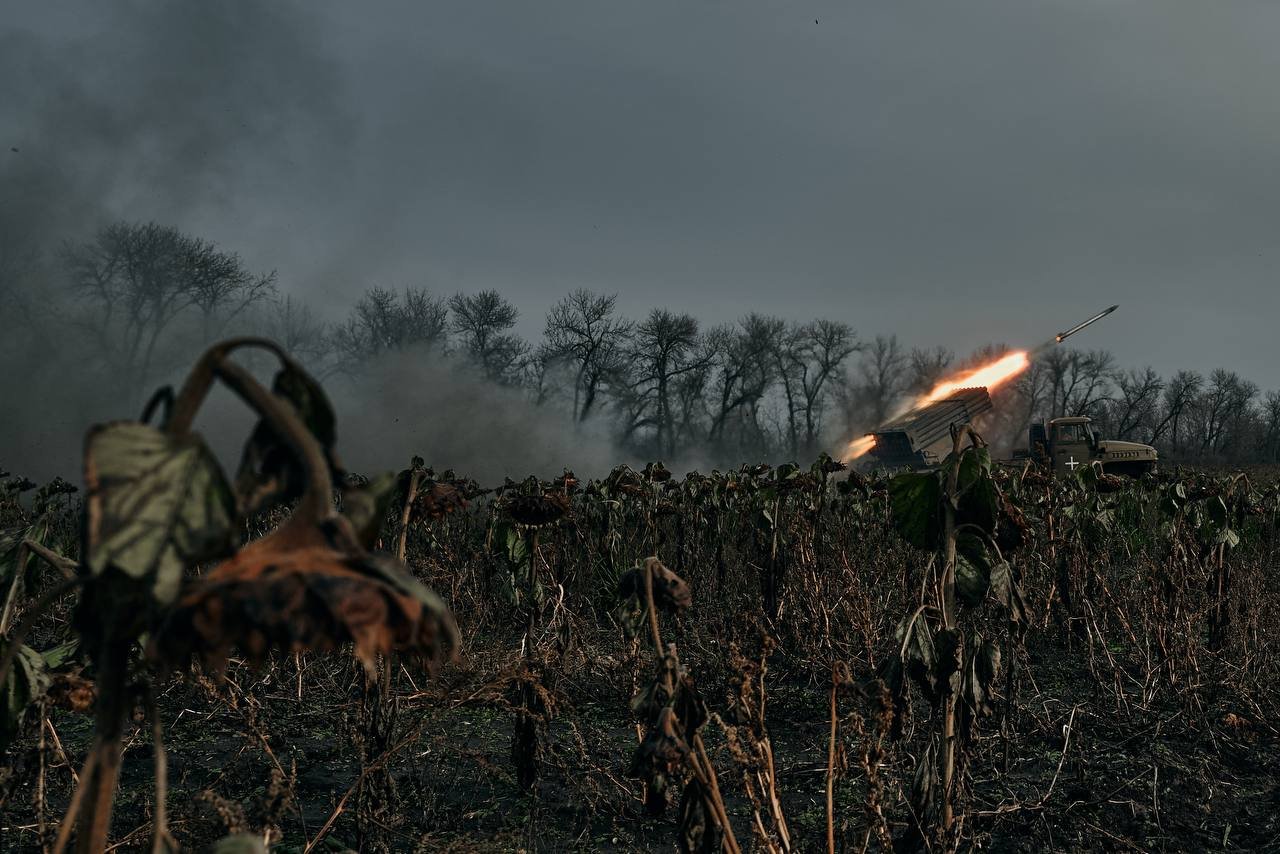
column 774, row 658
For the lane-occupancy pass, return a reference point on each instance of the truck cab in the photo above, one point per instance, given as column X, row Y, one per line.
column 1066, row 444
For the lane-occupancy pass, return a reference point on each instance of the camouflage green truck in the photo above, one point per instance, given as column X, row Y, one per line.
column 1065, row 444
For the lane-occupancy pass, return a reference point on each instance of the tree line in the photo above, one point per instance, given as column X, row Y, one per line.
column 144, row 296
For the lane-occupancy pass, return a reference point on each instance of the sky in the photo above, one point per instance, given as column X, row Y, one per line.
column 954, row 173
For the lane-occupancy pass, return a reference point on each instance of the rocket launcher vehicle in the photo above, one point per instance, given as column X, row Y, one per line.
column 922, row 436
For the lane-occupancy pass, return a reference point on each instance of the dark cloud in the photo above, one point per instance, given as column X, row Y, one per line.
column 173, row 111
column 199, row 115
column 958, row 174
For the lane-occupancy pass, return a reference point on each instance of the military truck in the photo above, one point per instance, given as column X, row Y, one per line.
column 1065, row 444
column 922, row 438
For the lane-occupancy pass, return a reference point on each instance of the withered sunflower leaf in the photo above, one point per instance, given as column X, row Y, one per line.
column 924, row 789
column 630, row 614
column 37, row 533
column 366, row 506
column 663, row 752
column 269, row 471
column 947, row 674
column 920, row 656
column 59, row 655
column 915, row 500
column 1006, row 591
column 698, row 833
column 27, row 681
column 507, row 589
column 514, row 544
column 973, row 569
column 649, row 701
column 157, row 504
column 10, row 541
column 977, row 500
column 309, row 598
column 981, row 676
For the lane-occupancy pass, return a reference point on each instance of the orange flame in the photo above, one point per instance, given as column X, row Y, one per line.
column 1003, row 369
column 858, row 447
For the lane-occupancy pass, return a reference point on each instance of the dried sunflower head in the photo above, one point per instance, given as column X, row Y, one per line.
column 625, row 479
column 566, row 483
column 656, row 472
column 312, row 597
column 670, row 592
column 663, row 753
column 830, row 466
column 19, row 484
column 1012, row 530
column 537, row 510
column 73, row 691
column 801, row 481
column 1111, row 483
column 437, row 500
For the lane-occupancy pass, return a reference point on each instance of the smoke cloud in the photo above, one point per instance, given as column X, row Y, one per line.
column 187, row 107
column 418, row 404
column 158, row 111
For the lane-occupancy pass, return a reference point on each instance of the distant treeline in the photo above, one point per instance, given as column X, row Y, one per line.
column 138, row 299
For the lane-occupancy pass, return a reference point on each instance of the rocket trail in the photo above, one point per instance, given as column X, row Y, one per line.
column 989, row 376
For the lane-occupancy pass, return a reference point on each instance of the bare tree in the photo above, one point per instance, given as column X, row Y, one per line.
column 730, row 372
column 1241, row 419
column 782, row 342
column 927, row 367
column 540, row 378
column 1137, row 403
column 663, row 349
column 294, row 326
column 801, row 360
column 692, row 389
column 481, row 323
column 1221, row 412
column 384, row 321
column 1269, row 446
column 584, row 332
column 823, row 348
column 1057, row 364
column 221, row 288
column 884, row 377
column 745, row 369
column 1178, row 396
column 1030, row 391
column 1078, row 382
column 141, row 279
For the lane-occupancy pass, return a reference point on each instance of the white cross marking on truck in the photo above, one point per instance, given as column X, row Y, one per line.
column 1071, row 464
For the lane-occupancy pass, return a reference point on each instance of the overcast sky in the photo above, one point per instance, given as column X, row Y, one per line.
column 957, row 173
